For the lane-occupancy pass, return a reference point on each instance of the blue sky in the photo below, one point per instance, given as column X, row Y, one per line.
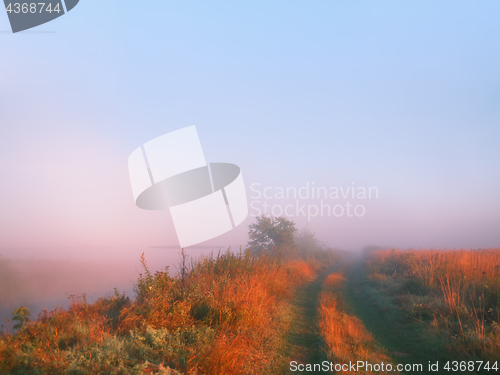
column 403, row 96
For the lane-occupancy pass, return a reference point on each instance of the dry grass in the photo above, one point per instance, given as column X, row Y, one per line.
column 457, row 292
column 346, row 337
column 222, row 315
column 334, row 280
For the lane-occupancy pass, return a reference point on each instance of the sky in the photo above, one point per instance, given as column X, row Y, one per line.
column 401, row 96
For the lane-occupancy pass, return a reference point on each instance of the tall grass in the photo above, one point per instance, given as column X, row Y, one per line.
column 224, row 314
column 346, row 338
column 455, row 291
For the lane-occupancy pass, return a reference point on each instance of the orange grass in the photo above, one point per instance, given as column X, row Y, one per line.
column 346, row 337
column 223, row 315
column 455, row 291
column 428, row 265
column 334, row 280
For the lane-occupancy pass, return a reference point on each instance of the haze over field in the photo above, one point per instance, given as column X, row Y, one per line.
column 47, row 278
column 401, row 97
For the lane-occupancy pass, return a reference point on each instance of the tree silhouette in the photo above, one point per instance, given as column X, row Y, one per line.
column 272, row 236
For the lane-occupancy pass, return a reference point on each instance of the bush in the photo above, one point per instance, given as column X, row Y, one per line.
column 224, row 314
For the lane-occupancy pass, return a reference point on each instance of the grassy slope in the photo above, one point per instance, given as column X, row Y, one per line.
column 228, row 316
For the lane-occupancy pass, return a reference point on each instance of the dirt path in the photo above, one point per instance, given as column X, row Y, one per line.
column 406, row 341
column 304, row 337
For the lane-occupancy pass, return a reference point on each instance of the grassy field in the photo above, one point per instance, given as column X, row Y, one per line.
column 242, row 314
column 229, row 314
column 455, row 294
column 441, row 304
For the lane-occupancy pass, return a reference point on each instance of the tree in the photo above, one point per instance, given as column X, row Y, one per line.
column 308, row 246
column 307, row 243
column 273, row 236
column 22, row 315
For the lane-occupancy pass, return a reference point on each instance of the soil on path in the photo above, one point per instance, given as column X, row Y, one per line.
column 304, row 336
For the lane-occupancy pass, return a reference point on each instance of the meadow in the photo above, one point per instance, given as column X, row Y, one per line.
column 453, row 295
column 225, row 314
column 242, row 313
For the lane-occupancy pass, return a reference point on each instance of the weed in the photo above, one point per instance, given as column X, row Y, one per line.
column 455, row 292
column 223, row 314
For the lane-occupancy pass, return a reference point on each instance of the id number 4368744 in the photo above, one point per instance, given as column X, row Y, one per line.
column 32, row 8
column 461, row 366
